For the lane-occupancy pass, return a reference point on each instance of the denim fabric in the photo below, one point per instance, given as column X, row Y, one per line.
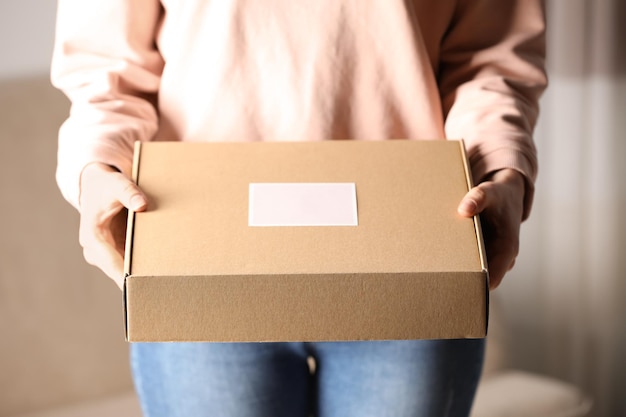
column 434, row 378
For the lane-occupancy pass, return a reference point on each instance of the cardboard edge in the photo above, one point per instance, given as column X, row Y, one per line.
column 130, row 228
column 479, row 234
column 478, row 229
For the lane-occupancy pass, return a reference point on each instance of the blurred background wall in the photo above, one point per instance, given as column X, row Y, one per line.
column 61, row 324
column 60, row 320
column 26, row 37
column 565, row 298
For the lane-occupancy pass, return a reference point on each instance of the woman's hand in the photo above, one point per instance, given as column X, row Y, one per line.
column 499, row 200
column 105, row 196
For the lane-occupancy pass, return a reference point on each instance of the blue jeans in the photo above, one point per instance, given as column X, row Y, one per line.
column 434, row 378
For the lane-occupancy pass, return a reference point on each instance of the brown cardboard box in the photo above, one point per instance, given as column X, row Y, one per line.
column 197, row 271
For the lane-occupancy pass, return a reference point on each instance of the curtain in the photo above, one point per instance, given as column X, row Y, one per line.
column 566, row 298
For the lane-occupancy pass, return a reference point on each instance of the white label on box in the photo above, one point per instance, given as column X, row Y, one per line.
column 302, row 204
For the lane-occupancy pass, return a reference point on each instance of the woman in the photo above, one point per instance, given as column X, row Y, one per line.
column 273, row 70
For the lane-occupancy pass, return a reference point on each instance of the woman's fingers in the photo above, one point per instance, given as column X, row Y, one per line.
column 105, row 194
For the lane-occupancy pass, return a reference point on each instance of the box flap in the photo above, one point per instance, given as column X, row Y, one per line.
column 407, row 193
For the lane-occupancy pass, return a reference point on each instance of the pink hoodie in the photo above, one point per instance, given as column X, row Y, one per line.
column 291, row 70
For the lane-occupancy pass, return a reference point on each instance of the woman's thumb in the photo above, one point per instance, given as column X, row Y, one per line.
column 129, row 194
column 474, row 202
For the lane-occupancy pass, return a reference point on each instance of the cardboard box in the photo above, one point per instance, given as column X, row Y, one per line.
column 411, row 268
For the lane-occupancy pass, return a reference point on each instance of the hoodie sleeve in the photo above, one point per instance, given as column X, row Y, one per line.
column 106, row 61
column 491, row 76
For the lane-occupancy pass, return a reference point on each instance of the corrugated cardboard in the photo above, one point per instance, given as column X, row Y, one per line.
column 411, row 269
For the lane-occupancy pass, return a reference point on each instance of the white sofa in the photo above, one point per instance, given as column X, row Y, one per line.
column 62, row 345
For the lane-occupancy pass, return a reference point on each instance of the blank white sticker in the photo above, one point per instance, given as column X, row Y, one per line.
column 302, row 204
